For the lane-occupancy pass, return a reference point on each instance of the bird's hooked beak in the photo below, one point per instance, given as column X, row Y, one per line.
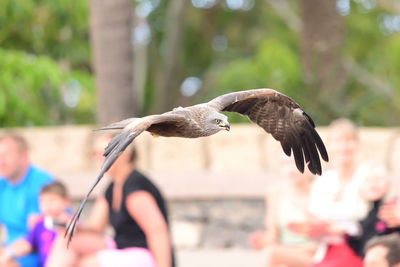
column 225, row 124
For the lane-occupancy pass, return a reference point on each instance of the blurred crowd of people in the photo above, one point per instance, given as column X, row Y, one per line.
column 346, row 217
column 35, row 210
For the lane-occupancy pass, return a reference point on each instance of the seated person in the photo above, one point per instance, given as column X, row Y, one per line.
column 373, row 188
column 20, row 184
column 335, row 203
column 383, row 251
column 53, row 203
column 136, row 210
column 286, row 208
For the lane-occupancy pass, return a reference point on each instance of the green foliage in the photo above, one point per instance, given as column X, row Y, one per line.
column 378, row 54
column 275, row 64
column 34, row 90
column 261, row 51
column 372, row 98
column 359, row 28
column 32, row 84
column 57, row 28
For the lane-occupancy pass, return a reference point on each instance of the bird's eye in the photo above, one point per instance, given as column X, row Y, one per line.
column 217, row 121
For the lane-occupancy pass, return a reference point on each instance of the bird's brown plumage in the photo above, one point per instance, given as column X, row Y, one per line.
column 276, row 113
column 283, row 118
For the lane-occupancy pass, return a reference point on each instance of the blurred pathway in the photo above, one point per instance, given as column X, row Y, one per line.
column 217, row 258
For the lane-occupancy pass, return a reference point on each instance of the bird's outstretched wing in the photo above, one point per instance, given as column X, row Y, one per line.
column 131, row 128
column 280, row 116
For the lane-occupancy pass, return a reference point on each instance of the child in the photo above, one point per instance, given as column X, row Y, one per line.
column 374, row 188
column 53, row 202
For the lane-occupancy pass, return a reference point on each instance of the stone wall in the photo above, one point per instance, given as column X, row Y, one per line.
column 218, row 223
column 210, row 223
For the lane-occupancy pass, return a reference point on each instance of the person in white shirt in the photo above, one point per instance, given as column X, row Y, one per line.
column 335, row 203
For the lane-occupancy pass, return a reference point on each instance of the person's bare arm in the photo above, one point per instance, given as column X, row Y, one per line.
column 315, row 228
column 90, row 235
column 19, row 248
column 98, row 219
column 144, row 210
column 390, row 213
column 271, row 221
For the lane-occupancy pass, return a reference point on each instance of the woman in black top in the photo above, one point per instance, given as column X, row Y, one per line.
column 128, row 233
column 136, row 210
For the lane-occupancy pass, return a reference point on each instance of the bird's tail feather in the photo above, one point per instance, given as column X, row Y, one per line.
column 72, row 224
column 117, row 125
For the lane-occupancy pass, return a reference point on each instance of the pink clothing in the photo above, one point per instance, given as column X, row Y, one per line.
column 128, row 257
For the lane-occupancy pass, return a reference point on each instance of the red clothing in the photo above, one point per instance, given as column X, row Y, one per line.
column 340, row 255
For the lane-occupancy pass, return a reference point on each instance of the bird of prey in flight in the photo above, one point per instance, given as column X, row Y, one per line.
column 276, row 113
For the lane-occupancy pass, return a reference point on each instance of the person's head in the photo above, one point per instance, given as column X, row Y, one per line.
column 53, row 199
column 124, row 161
column 343, row 141
column 13, row 157
column 289, row 170
column 375, row 184
column 383, row 251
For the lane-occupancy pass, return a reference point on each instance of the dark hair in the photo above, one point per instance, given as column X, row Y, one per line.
column 23, row 145
column 55, row 187
column 391, row 242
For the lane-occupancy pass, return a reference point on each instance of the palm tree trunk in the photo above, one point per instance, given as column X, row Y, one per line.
column 167, row 90
column 321, row 40
column 110, row 28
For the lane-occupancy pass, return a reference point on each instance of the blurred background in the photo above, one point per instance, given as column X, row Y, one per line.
column 69, row 66
column 336, row 58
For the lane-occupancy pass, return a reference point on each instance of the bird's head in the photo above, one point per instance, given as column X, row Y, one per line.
column 217, row 122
